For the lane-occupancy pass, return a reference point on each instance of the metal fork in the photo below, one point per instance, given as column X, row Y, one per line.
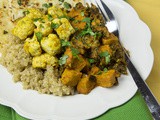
column 112, row 25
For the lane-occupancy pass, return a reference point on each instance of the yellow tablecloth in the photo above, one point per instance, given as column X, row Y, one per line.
column 149, row 12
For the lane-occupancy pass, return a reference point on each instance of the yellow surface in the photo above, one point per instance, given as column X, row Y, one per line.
column 149, row 12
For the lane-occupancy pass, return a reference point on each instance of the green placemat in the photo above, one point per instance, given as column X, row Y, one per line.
column 134, row 109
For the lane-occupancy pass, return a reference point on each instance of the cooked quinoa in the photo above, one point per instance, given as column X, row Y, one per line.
column 18, row 63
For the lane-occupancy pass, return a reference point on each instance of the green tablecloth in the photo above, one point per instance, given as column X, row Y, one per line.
column 134, row 109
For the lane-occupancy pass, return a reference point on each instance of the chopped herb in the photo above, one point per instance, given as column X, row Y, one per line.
column 75, row 52
column 46, row 5
column 50, row 18
column 87, row 20
column 88, row 29
column 37, row 19
column 5, row 32
column 63, row 59
column 76, row 29
column 99, row 73
column 82, row 13
column 91, row 60
column 54, row 25
column 19, row 2
column 105, row 69
column 39, row 36
column 41, row 26
column 66, row 5
column 106, row 55
column 61, row 0
column 26, row 12
column 65, row 43
column 107, row 59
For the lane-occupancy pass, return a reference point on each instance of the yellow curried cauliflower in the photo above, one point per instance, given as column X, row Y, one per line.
column 34, row 13
column 32, row 46
column 55, row 12
column 51, row 44
column 64, row 29
column 44, row 26
column 43, row 60
column 24, row 28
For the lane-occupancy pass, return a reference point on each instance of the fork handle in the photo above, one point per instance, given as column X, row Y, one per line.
column 144, row 90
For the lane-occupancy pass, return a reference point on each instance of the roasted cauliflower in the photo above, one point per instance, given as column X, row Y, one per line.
column 32, row 46
column 51, row 44
column 24, row 28
column 55, row 12
column 43, row 60
column 63, row 28
column 43, row 25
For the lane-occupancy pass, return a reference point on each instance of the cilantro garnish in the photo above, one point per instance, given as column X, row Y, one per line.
column 26, row 12
column 91, row 60
column 82, row 13
column 75, row 51
column 39, row 36
column 88, row 29
column 54, row 25
column 19, row 2
column 66, row 5
column 105, row 69
column 46, row 5
column 106, row 55
column 65, row 43
column 37, row 19
column 50, row 18
column 63, row 59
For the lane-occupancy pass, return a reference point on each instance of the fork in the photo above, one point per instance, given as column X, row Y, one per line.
column 112, row 26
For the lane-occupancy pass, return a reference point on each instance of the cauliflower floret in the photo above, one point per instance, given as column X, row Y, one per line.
column 55, row 12
column 44, row 26
column 43, row 60
column 24, row 28
column 32, row 46
column 34, row 13
column 51, row 44
column 64, row 29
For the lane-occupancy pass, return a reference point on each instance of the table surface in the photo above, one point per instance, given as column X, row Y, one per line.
column 148, row 11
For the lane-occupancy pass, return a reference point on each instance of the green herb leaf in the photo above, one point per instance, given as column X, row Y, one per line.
column 65, row 43
column 87, row 20
column 99, row 73
column 66, row 5
column 41, row 26
column 37, row 19
column 5, row 32
column 91, row 60
column 19, row 2
column 50, row 18
column 46, row 5
column 105, row 69
column 39, row 36
column 26, row 12
column 107, row 59
column 63, row 59
column 104, row 54
column 75, row 51
column 82, row 13
column 61, row 0
column 54, row 25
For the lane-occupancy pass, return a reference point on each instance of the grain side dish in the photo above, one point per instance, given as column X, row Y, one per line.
column 61, row 50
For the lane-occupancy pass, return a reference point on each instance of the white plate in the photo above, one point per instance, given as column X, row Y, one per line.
column 135, row 36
